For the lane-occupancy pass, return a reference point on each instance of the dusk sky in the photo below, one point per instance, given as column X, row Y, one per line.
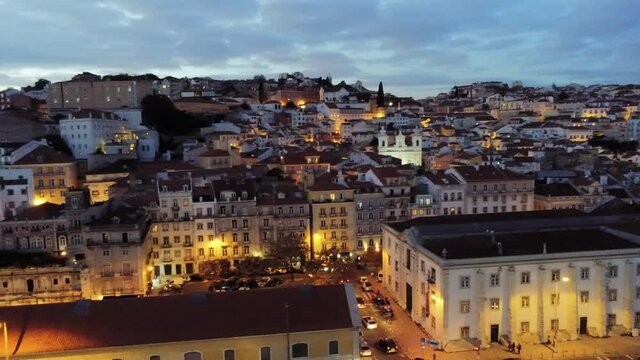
column 416, row 47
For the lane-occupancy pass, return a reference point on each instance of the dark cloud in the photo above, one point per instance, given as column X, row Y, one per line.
column 416, row 47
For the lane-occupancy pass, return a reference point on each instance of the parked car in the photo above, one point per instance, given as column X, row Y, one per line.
column 363, row 279
column 381, row 303
column 360, row 302
column 281, row 270
column 231, row 282
column 380, row 276
column 386, row 313
column 240, row 285
column 217, row 286
column 273, row 282
column 387, row 345
column 263, row 281
column 252, row 283
column 365, row 350
column 366, row 286
column 369, row 322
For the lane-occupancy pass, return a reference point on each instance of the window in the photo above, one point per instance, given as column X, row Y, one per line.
column 495, row 279
column 554, row 324
column 524, row 327
column 525, row 277
column 265, row 353
column 555, row 275
column 555, row 299
column 154, row 357
column 525, row 301
column 584, row 297
column 465, row 282
column 299, row 350
column 612, row 271
column 229, row 354
column 193, row 355
column 494, row 304
column 464, row 332
column 584, row 273
column 465, row 306
column 333, row 347
column 612, row 295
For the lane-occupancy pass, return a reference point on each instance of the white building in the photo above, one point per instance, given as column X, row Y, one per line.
column 16, row 191
column 530, row 277
column 407, row 149
column 85, row 132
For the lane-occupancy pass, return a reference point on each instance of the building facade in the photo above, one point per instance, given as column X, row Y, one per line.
column 104, row 94
column 560, row 277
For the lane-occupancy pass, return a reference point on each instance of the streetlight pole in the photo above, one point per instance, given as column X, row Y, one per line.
column 286, row 310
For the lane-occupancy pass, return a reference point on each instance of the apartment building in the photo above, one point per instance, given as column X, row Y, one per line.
column 332, row 213
column 370, row 208
column 16, row 191
column 116, row 252
column 40, row 280
column 282, row 212
column 88, row 131
column 397, row 191
column 53, row 173
column 103, row 94
column 489, row 189
column 563, row 275
column 36, row 229
column 447, row 192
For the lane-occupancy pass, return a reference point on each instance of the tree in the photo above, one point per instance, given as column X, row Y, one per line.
column 159, row 112
column 39, row 85
column 252, row 265
column 289, row 251
column 262, row 90
column 380, row 98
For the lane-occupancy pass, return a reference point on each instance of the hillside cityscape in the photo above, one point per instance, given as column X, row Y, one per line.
column 301, row 180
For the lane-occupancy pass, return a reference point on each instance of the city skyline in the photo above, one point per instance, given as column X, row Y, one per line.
column 369, row 41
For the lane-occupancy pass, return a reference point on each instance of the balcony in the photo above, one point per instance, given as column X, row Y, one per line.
column 322, row 215
column 126, row 273
column 187, row 244
column 166, row 245
column 175, row 208
column 188, row 258
column 166, row 259
column 344, row 226
column 344, row 237
column 106, row 273
column 266, row 227
column 333, row 214
column 323, row 227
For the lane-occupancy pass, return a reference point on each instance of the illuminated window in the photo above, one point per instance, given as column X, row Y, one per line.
column 494, row 304
column 525, row 301
column 465, row 306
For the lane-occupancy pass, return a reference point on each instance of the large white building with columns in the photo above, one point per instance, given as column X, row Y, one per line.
column 525, row 277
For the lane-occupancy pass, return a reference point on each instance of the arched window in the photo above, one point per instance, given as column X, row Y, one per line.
column 299, row 350
column 154, row 357
column 229, row 354
column 193, row 355
column 265, row 353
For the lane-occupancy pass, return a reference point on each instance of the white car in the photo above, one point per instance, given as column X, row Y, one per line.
column 365, row 350
column 363, row 279
column 369, row 322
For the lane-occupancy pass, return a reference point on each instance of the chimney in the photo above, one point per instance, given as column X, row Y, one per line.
column 499, row 245
column 544, row 248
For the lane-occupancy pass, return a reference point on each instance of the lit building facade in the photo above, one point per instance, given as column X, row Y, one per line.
column 461, row 280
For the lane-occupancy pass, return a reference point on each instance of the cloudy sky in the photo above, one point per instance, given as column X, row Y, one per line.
column 416, row 47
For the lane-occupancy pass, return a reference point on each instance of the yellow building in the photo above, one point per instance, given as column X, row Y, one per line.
column 53, row 173
column 333, row 215
column 307, row 322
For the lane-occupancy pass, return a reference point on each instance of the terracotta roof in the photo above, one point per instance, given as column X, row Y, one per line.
column 487, row 173
column 154, row 320
column 44, row 155
column 327, row 185
column 556, row 189
column 40, row 212
column 440, row 178
column 215, row 153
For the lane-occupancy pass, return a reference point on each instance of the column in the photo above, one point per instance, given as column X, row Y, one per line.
column 540, row 300
column 570, row 298
column 508, row 323
column 479, row 306
column 600, row 298
column 628, row 294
